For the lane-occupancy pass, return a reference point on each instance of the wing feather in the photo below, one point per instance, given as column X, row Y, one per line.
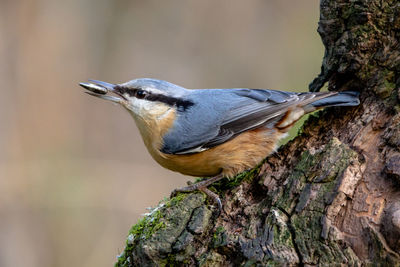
column 247, row 109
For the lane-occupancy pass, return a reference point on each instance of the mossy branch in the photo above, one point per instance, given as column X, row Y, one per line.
column 330, row 196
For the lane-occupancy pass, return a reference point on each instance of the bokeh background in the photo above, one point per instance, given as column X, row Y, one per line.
column 74, row 174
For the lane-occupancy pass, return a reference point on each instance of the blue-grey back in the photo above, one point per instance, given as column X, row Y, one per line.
column 213, row 108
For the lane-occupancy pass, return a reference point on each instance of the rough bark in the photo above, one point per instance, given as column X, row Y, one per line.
column 330, row 196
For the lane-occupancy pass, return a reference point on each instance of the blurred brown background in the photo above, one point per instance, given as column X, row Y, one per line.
column 74, row 174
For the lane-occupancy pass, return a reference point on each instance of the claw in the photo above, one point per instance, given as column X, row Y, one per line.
column 202, row 186
column 213, row 196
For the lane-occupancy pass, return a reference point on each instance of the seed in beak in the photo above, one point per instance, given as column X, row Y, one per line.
column 94, row 88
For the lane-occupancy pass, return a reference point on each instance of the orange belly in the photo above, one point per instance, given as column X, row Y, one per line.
column 237, row 155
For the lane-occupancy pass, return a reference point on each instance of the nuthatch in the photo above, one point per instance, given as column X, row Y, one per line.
column 212, row 132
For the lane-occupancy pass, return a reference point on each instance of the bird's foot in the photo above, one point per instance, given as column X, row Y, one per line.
column 202, row 186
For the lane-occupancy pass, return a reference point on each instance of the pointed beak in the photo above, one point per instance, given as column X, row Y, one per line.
column 100, row 89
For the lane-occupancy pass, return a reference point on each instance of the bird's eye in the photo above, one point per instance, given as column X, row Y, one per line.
column 141, row 94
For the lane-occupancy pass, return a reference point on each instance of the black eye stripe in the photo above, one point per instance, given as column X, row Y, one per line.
column 181, row 104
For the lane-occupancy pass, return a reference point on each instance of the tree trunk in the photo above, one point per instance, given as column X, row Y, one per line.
column 330, row 196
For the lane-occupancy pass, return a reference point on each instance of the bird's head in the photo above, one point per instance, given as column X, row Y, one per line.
column 147, row 99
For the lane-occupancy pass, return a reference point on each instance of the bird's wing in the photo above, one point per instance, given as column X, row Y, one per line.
column 227, row 114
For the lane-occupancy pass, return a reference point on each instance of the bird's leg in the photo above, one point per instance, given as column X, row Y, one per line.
column 197, row 186
column 202, row 186
column 213, row 196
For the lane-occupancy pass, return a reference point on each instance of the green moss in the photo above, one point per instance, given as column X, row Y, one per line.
column 250, row 263
column 175, row 200
column 272, row 263
column 362, row 31
column 219, row 237
column 212, row 259
column 312, row 119
column 308, row 190
column 380, row 255
column 143, row 229
column 147, row 226
column 307, row 226
column 281, row 232
column 386, row 84
column 169, row 261
column 226, row 184
column 367, row 72
column 348, row 11
column 154, row 237
column 173, row 260
column 315, row 171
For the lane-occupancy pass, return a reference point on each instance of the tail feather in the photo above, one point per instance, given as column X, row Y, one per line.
column 322, row 100
column 347, row 98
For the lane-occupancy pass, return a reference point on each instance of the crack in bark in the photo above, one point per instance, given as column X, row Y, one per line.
column 292, row 231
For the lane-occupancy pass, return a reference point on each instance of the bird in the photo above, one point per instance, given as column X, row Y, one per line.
column 213, row 133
